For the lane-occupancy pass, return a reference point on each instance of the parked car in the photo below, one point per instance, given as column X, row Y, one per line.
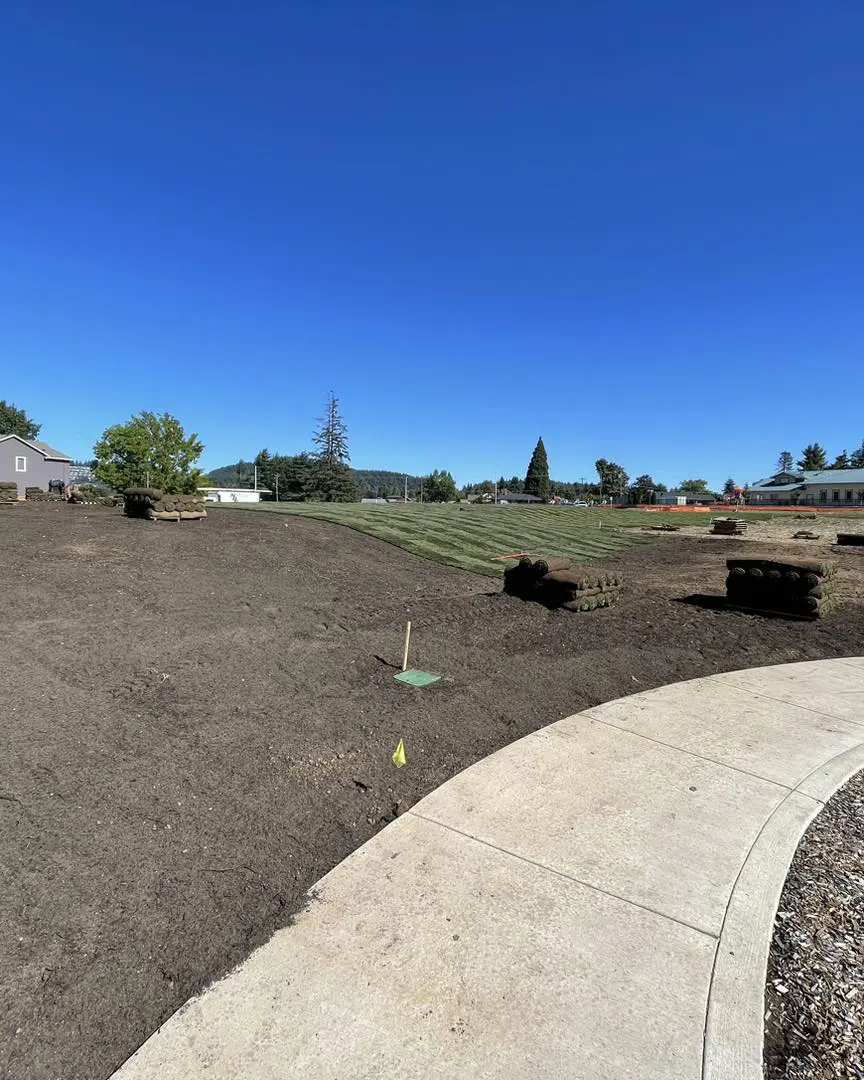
column 580, row 502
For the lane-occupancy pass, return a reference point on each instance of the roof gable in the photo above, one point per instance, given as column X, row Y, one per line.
column 42, row 448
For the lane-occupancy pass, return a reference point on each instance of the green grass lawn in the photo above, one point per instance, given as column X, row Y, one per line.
column 469, row 537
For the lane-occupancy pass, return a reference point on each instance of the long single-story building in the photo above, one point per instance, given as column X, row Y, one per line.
column 31, row 463
column 822, row 487
column 234, row 494
column 686, row 498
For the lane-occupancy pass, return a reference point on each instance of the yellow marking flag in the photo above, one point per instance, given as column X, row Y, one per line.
column 399, row 758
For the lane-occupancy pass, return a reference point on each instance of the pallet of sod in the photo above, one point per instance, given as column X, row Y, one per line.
column 8, row 492
column 155, row 505
column 555, row 582
column 797, row 588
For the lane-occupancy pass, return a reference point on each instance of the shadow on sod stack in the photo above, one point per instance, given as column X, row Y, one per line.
column 152, row 504
column 799, row 588
column 555, row 583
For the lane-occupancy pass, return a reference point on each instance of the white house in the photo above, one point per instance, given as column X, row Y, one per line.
column 233, row 494
column 823, row 487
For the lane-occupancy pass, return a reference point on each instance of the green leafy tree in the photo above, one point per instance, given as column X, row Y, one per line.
column 729, row 489
column 613, row 478
column 332, row 479
column 694, row 487
column 149, row 450
column 643, row 489
column 785, row 462
column 439, row 486
column 537, row 476
column 842, row 461
column 812, row 458
column 16, row 422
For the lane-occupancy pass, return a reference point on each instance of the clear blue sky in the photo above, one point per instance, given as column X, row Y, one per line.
column 636, row 229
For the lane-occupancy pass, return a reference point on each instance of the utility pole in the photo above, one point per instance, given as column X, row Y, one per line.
column 256, row 478
column 421, row 489
column 277, row 487
column 496, row 493
column 406, row 488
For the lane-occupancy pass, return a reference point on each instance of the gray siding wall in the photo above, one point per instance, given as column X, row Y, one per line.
column 39, row 471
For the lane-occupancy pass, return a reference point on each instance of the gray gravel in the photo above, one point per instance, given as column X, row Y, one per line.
column 814, row 998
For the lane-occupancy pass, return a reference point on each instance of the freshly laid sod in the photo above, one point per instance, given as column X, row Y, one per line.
column 469, row 537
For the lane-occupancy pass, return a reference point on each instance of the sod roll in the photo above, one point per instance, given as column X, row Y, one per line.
column 550, row 565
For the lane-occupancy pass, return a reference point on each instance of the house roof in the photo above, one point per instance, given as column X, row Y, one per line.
column 517, row 496
column 43, row 448
column 810, row 478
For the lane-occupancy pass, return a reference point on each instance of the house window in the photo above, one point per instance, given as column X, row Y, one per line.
column 823, row 496
column 835, row 495
column 848, row 495
column 21, row 464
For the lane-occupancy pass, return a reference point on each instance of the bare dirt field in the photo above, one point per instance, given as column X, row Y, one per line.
column 197, row 723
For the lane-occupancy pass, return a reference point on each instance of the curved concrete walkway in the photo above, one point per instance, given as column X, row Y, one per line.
column 593, row 902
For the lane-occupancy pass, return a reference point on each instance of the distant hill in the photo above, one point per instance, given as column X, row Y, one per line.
column 373, row 483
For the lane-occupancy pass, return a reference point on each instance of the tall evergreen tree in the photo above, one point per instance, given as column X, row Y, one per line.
column 332, row 479
column 857, row 459
column 841, row 461
column 729, row 489
column 812, row 458
column 537, row 476
column 785, row 461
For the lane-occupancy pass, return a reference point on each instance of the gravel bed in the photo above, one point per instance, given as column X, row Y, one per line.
column 814, row 998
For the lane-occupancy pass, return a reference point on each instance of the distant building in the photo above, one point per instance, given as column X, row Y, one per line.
column 686, row 498
column 31, row 463
column 233, row 494
column 81, row 474
column 821, row 487
column 517, row 497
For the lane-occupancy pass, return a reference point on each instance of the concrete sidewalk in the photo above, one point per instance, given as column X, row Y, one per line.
column 593, row 902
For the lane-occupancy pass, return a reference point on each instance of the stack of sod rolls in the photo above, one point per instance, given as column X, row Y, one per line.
column 8, row 492
column 156, row 505
column 555, row 583
column 802, row 588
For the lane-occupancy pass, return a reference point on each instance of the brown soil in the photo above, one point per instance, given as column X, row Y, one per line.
column 198, row 721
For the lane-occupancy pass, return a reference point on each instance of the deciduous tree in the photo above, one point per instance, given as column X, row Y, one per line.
column 149, row 450
column 693, row 487
column 613, row 478
column 785, row 461
column 537, row 476
column 16, row 422
column 439, row 486
column 643, row 489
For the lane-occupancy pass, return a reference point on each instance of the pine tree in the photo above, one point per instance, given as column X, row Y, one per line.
column 537, row 476
column 729, row 489
column 332, row 479
column 785, row 461
column 857, row 459
column 812, row 458
column 841, row 461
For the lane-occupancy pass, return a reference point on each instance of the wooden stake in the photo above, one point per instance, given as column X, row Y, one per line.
column 407, row 639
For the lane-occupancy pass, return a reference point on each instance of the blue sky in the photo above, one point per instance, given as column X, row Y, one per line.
column 636, row 229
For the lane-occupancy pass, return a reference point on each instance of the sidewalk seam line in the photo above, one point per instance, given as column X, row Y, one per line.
column 568, row 877
column 679, row 749
column 816, row 712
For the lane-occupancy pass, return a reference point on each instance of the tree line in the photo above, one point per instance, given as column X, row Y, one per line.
column 814, row 459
